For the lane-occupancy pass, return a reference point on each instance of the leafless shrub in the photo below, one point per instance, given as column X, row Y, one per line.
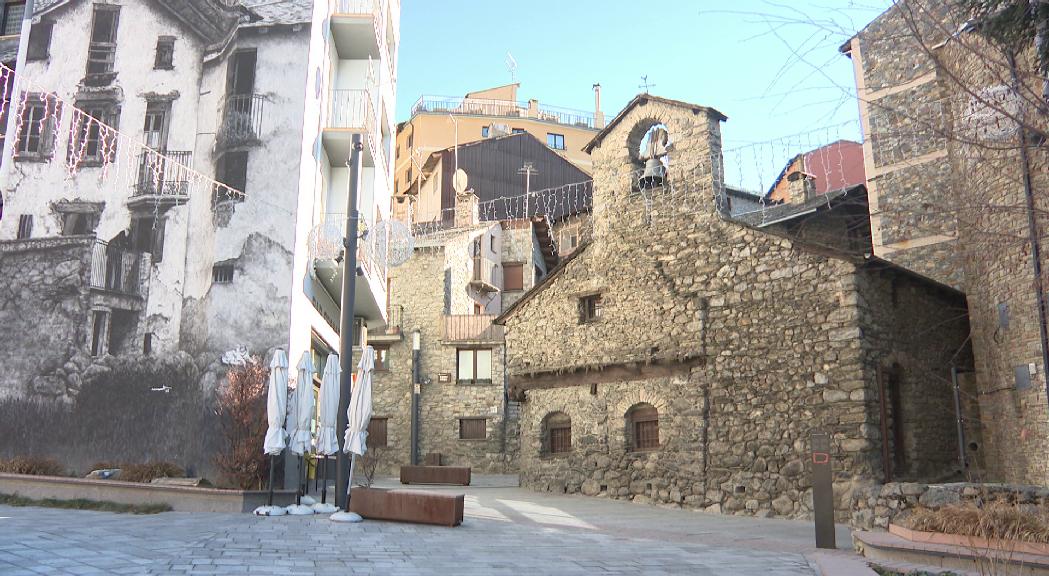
column 242, row 416
column 32, row 465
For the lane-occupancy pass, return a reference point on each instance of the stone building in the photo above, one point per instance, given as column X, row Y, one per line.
column 972, row 177
column 203, row 225
column 445, row 298
column 682, row 357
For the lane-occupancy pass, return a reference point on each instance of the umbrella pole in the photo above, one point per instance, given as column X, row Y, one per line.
column 298, row 489
column 349, row 480
column 324, row 484
column 269, row 500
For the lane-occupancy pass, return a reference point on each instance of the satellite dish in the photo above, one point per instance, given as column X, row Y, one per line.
column 393, row 239
column 459, row 181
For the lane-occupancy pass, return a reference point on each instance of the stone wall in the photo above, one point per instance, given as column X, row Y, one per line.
column 905, row 149
column 874, row 507
column 45, row 313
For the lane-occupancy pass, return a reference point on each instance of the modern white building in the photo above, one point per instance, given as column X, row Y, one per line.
column 263, row 96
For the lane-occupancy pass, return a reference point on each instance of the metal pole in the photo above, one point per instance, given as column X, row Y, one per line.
column 349, row 281
column 822, row 490
column 17, row 87
column 415, row 398
column 959, row 418
column 324, row 482
column 269, row 499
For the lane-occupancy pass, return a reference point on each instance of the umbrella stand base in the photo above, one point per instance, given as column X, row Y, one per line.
column 324, row 508
column 299, row 510
column 351, row 517
column 270, row 511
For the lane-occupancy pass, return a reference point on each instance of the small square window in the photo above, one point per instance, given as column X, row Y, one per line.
column 555, row 141
column 165, row 57
column 517, row 131
column 589, row 308
column 382, row 359
column 513, row 276
column 473, row 428
column 484, row 131
column 222, row 274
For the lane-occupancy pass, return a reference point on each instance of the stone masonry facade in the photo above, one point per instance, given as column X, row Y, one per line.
column 741, row 343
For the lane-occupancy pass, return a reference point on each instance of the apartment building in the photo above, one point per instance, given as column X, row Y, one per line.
column 196, row 229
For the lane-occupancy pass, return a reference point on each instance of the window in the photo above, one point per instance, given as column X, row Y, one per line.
column 573, row 241
column 147, row 235
column 589, row 308
column 474, row 366
column 382, row 360
column 478, row 309
column 642, row 427
column 37, row 126
column 94, row 139
column 240, row 76
column 484, row 131
column 98, row 333
column 411, row 140
column 232, row 170
column 557, row 433
column 77, row 223
column 555, row 141
column 165, row 57
column 13, row 13
column 102, row 50
column 147, row 343
column 513, row 276
column 473, row 428
column 25, row 226
column 517, row 131
column 408, row 176
column 377, row 433
column 155, row 127
column 39, row 41
column 491, row 243
column 222, row 273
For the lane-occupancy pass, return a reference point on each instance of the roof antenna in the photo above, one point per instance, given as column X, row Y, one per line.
column 644, row 84
column 511, row 65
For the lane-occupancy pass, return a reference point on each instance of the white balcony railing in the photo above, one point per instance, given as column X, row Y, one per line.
column 351, row 109
column 330, row 231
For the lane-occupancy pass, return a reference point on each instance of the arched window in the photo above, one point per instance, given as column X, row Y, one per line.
column 557, row 433
column 642, row 427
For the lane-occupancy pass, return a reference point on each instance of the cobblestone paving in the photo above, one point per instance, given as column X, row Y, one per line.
column 506, row 531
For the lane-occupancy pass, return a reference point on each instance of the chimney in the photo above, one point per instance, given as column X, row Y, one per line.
column 801, row 186
column 466, row 209
column 402, row 209
column 599, row 116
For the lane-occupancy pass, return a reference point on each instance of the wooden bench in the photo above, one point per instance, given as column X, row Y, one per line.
column 408, row 506
column 455, row 475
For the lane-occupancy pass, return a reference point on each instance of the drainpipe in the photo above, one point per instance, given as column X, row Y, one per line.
column 959, row 418
column 1032, row 231
column 416, row 352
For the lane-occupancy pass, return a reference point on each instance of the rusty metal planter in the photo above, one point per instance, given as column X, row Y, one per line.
column 408, row 506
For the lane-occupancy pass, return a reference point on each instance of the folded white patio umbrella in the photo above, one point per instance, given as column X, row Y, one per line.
column 327, row 439
column 276, row 404
column 303, row 438
column 276, row 414
column 359, row 413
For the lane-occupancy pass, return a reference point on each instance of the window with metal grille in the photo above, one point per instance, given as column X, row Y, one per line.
column 94, row 140
column 555, row 141
column 25, row 226
column 165, row 56
column 474, row 366
column 473, row 428
column 102, row 50
column 12, row 18
column 557, row 433
column 377, row 433
column 513, row 276
column 36, row 128
column 39, row 47
column 589, row 308
column 222, row 273
column 643, row 427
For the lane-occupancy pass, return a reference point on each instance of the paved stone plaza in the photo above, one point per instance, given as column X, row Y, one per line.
column 507, row 530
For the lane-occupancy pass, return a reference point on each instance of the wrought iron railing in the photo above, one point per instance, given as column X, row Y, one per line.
column 491, row 107
column 241, row 120
column 394, row 314
column 471, row 328
column 163, row 173
column 114, row 269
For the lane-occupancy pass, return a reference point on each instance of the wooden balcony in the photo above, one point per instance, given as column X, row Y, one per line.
column 471, row 329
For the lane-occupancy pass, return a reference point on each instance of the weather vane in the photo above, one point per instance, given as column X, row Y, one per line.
column 644, row 83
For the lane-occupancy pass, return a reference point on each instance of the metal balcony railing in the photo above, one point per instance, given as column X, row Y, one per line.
column 509, row 108
column 394, row 315
column 351, row 109
column 114, row 269
column 471, row 328
column 355, row 7
column 163, row 173
column 241, row 120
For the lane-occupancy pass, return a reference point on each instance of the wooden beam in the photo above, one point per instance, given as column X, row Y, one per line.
column 602, row 375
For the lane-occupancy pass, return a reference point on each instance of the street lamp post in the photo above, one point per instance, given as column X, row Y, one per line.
column 416, row 350
column 349, row 285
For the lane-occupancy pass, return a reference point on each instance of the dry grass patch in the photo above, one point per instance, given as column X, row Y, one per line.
column 995, row 520
column 32, row 465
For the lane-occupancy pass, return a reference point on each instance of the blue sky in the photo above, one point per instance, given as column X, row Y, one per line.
column 772, row 67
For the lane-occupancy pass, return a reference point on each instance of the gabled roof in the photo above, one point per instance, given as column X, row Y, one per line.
column 542, row 284
column 641, row 99
column 779, row 213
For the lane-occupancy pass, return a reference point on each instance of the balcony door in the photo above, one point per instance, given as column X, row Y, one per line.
column 240, row 79
column 155, row 131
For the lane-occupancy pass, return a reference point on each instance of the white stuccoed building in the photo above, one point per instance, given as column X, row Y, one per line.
column 261, row 95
